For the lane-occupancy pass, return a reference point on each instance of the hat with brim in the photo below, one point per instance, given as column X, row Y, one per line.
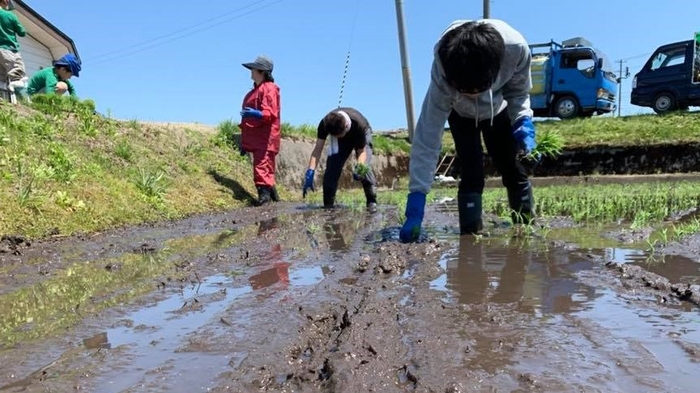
column 72, row 62
column 261, row 63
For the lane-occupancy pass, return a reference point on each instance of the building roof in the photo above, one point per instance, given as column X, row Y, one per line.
column 58, row 42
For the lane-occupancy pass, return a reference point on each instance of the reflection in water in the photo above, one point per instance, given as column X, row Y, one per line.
column 266, row 225
column 308, row 275
column 624, row 255
column 224, row 238
column 98, row 341
column 483, row 272
column 334, row 236
column 504, row 284
column 278, row 273
column 156, row 333
column 529, row 314
column 340, row 229
column 675, row 268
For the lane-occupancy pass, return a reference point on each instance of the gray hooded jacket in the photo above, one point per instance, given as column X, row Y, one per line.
column 510, row 91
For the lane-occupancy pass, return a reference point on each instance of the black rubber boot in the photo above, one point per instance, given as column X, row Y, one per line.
column 522, row 204
column 328, row 201
column 274, row 195
column 264, row 196
column 469, row 206
column 371, row 196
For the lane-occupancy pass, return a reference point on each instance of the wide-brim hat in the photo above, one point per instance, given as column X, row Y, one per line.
column 261, row 63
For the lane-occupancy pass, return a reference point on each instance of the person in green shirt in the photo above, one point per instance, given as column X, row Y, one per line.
column 56, row 79
column 10, row 57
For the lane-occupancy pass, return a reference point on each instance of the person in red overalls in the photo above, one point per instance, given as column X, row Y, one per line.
column 260, row 127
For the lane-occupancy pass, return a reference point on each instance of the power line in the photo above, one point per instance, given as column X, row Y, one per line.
column 131, row 47
column 111, row 58
column 636, row 56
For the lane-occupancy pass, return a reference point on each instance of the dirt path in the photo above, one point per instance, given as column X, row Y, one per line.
column 291, row 299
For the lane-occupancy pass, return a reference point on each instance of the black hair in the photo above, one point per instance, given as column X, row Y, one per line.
column 59, row 66
column 267, row 76
column 334, row 123
column 471, row 56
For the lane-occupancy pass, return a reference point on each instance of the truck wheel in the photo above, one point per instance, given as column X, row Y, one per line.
column 566, row 107
column 664, row 103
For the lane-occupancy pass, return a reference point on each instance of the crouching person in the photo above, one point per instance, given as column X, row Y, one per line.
column 347, row 130
column 56, row 79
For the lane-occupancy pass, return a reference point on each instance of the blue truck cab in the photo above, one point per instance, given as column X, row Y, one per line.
column 670, row 79
column 571, row 79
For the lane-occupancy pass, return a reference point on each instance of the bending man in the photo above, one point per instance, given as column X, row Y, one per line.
column 480, row 83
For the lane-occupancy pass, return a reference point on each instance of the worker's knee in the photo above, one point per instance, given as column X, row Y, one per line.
column 61, row 88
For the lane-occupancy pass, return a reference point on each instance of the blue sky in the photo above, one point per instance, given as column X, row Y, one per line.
column 178, row 61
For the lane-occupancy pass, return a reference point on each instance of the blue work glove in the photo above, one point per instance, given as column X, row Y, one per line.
column 250, row 112
column 415, row 208
column 524, row 132
column 308, row 181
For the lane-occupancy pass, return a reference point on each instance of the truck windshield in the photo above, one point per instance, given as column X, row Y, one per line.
column 608, row 69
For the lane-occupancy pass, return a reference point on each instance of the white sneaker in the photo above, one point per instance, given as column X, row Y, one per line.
column 20, row 84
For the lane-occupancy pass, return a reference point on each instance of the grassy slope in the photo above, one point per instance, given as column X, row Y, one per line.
column 80, row 172
column 627, row 131
column 63, row 169
column 638, row 130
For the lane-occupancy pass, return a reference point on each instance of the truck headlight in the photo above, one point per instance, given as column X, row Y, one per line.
column 603, row 94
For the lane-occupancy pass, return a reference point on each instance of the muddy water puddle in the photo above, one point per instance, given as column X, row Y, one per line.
column 166, row 336
column 230, row 307
column 677, row 269
column 556, row 318
column 154, row 333
column 206, row 272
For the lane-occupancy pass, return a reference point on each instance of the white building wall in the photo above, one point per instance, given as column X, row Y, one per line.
column 35, row 55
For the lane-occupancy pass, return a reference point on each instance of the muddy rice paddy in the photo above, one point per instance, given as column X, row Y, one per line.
column 292, row 298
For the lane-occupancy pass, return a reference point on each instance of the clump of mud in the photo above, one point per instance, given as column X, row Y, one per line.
column 11, row 244
column 635, row 277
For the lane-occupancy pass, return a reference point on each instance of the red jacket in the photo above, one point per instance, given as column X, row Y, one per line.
column 263, row 133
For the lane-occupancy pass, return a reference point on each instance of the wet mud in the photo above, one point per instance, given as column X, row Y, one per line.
column 293, row 298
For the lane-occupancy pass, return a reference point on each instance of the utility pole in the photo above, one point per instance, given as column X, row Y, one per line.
column 619, row 87
column 487, row 9
column 408, row 91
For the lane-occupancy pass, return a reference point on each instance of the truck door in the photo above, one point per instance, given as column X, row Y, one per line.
column 575, row 77
column 669, row 69
column 696, row 58
column 694, row 94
